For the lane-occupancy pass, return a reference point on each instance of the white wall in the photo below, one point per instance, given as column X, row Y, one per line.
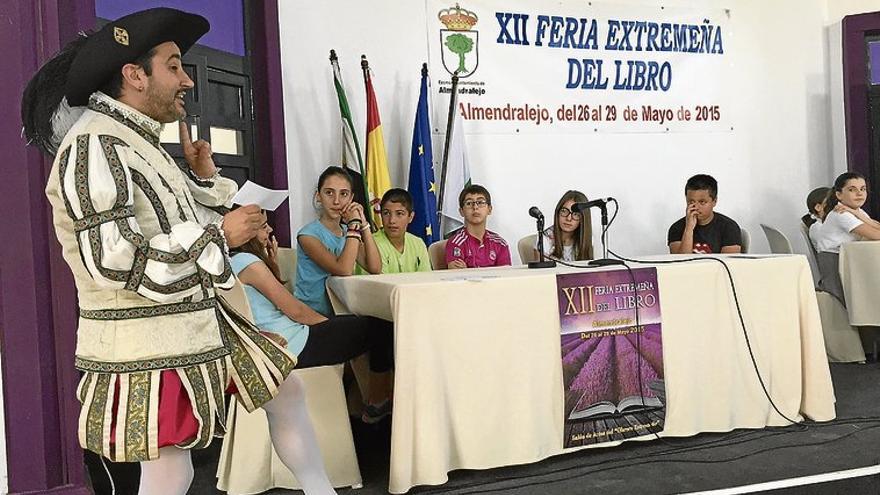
column 783, row 144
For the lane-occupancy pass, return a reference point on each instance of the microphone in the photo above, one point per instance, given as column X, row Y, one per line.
column 534, row 212
column 602, row 204
column 579, row 207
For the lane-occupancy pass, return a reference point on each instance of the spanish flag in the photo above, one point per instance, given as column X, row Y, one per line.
column 378, row 180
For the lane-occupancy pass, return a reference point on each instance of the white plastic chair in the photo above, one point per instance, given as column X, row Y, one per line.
column 287, row 266
column 779, row 243
column 842, row 341
column 526, row 248
column 805, row 232
column 746, row 241
column 437, row 253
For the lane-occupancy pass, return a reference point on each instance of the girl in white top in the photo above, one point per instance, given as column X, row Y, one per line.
column 845, row 221
column 816, row 208
column 570, row 238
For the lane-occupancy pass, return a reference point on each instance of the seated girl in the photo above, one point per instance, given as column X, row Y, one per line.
column 570, row 238
column 845, row 221
column 315, row 339
column 333, row 243
column 812, row 221
column 815, row 206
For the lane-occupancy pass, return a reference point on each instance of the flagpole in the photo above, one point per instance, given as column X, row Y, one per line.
column 365, row 66
column 334, row 61
column 450, row 120
column 345, row 114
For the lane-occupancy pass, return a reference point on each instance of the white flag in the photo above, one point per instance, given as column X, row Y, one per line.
column 458, row 176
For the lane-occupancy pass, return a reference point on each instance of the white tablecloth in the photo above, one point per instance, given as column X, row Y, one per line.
column 478, row 380
column 860, row 275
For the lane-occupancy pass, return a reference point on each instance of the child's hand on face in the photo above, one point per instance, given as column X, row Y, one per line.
column 691, row 216
column 360, row 211
column 353, row 211
column 272, row 248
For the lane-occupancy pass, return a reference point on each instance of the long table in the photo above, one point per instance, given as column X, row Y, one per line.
column 859, row 266
column 478, row 378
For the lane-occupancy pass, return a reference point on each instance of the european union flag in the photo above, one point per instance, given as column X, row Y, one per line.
column 425, row 224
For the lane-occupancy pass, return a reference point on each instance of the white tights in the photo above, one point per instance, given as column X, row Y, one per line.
column 170, row 474
column 292, row 435
column 294, row 438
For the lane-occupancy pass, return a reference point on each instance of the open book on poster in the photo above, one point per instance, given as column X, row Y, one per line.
column 630, row 405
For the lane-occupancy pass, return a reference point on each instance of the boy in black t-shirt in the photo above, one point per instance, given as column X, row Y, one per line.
column 702, row 230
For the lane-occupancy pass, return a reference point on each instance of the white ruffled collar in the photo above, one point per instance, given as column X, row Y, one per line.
column 102, row 103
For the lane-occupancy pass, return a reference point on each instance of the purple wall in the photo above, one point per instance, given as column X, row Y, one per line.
column 855, row 28
column 855, row 86
column 269, row 107
column 37, row 299
column 226, row 18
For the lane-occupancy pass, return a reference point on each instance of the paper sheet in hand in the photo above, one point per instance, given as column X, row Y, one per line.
column 252, row 193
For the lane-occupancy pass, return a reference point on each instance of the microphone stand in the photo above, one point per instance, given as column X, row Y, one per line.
column 543, row 263
column 605, row 260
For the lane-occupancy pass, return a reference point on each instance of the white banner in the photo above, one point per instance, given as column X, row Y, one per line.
column 578, row 67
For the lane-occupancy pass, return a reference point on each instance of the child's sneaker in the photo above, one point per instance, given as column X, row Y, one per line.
column 374, row 413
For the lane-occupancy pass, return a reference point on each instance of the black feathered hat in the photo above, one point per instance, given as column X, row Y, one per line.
column 124, row 40
column 85, row 64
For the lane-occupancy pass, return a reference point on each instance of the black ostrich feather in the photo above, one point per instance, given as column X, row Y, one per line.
column 43, row 107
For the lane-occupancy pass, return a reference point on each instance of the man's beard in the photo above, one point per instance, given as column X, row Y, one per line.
column 162, row 108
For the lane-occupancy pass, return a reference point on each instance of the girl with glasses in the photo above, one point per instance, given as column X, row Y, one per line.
column 570, row 238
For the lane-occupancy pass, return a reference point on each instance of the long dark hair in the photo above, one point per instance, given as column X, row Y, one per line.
column 583, row 236
column 331, row 171
column 839, row 184
column 816, row 196
column 254, row 247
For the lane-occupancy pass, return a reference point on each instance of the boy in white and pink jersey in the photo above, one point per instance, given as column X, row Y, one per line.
column 474, row 246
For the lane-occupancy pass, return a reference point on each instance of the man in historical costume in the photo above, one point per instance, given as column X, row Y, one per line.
column 147, row 242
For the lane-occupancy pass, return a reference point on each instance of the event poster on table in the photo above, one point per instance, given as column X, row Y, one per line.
column 612, row 368
column 581, row 67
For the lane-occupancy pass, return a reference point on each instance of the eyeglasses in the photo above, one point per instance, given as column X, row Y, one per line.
column 565, row 212
column 475, row 204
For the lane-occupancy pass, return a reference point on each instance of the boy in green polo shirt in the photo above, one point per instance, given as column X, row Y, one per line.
column 400, row 251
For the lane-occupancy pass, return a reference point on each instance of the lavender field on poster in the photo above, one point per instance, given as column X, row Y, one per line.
column 612, row 368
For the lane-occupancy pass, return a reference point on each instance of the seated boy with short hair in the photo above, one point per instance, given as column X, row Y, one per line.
column 474, row 246
column 703, row 230
column 400, row 251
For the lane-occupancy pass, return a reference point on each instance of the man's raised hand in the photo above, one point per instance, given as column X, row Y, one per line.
column 198, row 154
